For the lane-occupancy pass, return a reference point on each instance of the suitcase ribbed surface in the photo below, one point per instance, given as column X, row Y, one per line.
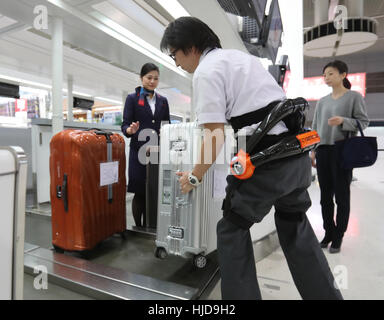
column 90, row 217
column 186, row 223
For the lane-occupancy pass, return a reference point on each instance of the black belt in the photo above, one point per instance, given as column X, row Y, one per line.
column 257, row 116
column 251, row 117
column 269, row 140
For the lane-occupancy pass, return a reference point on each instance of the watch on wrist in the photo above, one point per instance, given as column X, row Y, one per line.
column 193, row 180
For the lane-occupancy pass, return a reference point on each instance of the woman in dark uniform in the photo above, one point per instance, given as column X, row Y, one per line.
column 144, row 110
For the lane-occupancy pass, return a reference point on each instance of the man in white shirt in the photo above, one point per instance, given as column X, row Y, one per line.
column 232, row 86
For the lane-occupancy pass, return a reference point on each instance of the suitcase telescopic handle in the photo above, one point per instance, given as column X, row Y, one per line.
column 107, row 135
column 99, row 130
column 102, row 132
column 181, row 200
column 64, row 192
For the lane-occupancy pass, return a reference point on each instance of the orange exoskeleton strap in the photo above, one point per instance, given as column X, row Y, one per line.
column 307, row 139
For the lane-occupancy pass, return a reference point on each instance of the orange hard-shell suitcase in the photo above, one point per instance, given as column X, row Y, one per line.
column 88, row 188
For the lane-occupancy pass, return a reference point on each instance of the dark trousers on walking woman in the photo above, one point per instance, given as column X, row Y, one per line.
column 334, row 183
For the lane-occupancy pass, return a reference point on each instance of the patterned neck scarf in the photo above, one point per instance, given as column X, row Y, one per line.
column 143, row 93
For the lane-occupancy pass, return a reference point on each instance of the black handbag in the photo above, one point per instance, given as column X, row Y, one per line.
column 357, row 152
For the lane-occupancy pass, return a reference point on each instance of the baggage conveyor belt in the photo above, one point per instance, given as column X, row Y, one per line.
column 103, row 282
column 119, row 268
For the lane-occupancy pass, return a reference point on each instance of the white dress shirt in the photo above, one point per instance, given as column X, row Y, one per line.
column 152, row 102
column 229, row 83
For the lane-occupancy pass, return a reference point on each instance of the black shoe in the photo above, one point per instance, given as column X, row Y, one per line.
column 336, row 245
column 326, row 240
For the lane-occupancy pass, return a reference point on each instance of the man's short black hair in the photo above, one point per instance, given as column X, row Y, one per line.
column 187, row 32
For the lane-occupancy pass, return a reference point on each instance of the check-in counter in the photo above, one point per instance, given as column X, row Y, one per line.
column 41, row 135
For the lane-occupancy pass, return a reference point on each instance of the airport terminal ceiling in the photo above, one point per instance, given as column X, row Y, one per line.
column 101, row 65
column 104, row 59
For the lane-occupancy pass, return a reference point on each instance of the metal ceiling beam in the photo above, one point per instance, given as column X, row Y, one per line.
column 13, row 28
column 158, row 8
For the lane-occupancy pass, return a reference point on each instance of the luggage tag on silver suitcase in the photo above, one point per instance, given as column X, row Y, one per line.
column 176, row 232
column 178, row 145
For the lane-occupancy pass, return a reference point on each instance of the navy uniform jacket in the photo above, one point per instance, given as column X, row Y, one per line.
column 133, row 112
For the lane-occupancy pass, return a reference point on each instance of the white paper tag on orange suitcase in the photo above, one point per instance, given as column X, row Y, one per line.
column 109, row 173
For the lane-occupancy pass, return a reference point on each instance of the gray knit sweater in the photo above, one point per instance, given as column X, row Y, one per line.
column 350, row 106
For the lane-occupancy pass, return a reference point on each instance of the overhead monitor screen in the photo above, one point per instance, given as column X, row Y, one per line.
column 253, row 25
column 260, row 9
column 275, row 30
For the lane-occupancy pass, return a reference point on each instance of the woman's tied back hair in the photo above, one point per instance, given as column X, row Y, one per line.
column 341, row 67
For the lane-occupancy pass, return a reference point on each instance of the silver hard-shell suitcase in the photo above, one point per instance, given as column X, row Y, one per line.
column 186, row 224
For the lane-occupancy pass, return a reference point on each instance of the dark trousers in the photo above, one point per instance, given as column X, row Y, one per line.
column 138, row 209
column 282, row 184
column 335, row 182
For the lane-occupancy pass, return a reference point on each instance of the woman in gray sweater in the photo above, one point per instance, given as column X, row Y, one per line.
column 334, row 118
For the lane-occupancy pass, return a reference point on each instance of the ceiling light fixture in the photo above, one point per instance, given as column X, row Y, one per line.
column 137, row 43
column 110, row 108
column 23, row 82
column 174, row 8
column 109, row 100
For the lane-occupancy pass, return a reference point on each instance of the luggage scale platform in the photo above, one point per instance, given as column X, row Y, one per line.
column 118, row 268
